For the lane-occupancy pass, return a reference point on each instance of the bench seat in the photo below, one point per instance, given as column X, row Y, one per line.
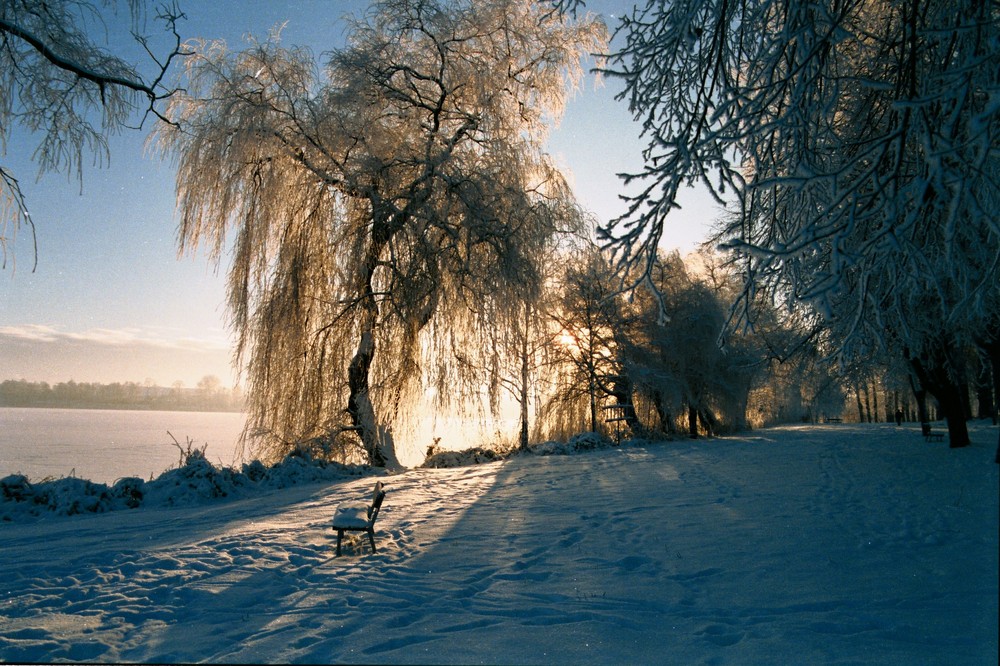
column 351, row 516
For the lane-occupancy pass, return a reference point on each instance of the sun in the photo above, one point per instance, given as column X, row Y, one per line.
column 568, row 341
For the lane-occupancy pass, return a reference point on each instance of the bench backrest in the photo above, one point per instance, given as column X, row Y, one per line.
column 377, row 496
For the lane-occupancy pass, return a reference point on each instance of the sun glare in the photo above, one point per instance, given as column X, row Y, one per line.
column 568, row 341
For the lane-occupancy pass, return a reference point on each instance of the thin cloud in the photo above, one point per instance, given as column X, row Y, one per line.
column 38, row 352
column 30, row 332
column 120, row 337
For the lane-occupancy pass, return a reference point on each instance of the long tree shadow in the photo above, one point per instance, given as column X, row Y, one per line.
column 460, row 552
column 275, row 593
column 624, row 552
column 141, row 574
column 495, row 548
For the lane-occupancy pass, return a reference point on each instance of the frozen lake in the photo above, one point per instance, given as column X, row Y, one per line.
column 105, row 445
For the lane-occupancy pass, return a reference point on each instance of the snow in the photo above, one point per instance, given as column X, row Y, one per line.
column 351, row 516
column 812, row 544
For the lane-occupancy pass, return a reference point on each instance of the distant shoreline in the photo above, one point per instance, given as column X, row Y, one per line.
column 208, row 397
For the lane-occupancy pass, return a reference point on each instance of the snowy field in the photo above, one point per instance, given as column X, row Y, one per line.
column 822, row 544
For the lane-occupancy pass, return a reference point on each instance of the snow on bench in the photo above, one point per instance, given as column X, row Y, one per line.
column 354, row 517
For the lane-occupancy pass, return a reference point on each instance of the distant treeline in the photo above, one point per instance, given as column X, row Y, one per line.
column 210, row 396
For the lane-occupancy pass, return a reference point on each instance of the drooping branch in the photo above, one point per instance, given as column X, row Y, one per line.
column 16, row 200
column 855, row 143
column 102, row 79
column 55, row 76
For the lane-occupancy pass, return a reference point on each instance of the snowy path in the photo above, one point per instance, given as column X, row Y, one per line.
column 808, row 545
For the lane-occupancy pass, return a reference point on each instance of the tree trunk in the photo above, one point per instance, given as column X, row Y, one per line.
column 525, row 375
column 921, row 397
column 933, row 375
column 621, row 391
column 359, row 404
column 593, row 402
column 995, row 362
column 984, row 391
column 861, row 410
column 666, row 419
column 992, row 349
column 875, row 414
column 950, row 399
column 693, row 421
column 739, row 415
column 964, row 394
column 708, row 422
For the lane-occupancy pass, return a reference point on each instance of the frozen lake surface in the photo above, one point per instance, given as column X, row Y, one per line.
column 105, row 445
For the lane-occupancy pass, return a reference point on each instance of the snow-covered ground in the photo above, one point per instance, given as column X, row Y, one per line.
column 822, row 544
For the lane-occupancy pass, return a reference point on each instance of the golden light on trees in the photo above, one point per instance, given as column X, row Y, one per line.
column 390, row 215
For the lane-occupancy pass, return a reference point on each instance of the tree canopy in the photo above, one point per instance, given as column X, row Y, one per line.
column 395, row 199
column 858, row 143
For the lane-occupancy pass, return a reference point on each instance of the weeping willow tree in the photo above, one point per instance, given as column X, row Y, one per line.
column 381, row 211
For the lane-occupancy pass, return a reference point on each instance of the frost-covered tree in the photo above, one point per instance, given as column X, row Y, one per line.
column 531, row 343
column 64, row 83
column 384, row 207
column 514, row 357
column 680, row 364
column 589, row 322
column 860, row 141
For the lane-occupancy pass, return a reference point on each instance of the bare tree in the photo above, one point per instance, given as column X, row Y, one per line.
column 860, row 141
column 392, row 202
column 58, row 81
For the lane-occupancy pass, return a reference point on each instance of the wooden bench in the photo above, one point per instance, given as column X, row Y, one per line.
column 354, row 517
column 834, row 419
column 934, row 437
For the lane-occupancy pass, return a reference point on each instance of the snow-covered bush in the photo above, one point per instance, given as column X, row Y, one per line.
column 473, row 456
column 586, row 441
column 192, row 483
column 70, row 496
column 130, row 489
column 15, row 487
column 254, row 470
column 62, row 497
column 301, row 467
column 196, row 481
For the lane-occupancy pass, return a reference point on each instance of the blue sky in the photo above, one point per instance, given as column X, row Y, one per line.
column 110, row 300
